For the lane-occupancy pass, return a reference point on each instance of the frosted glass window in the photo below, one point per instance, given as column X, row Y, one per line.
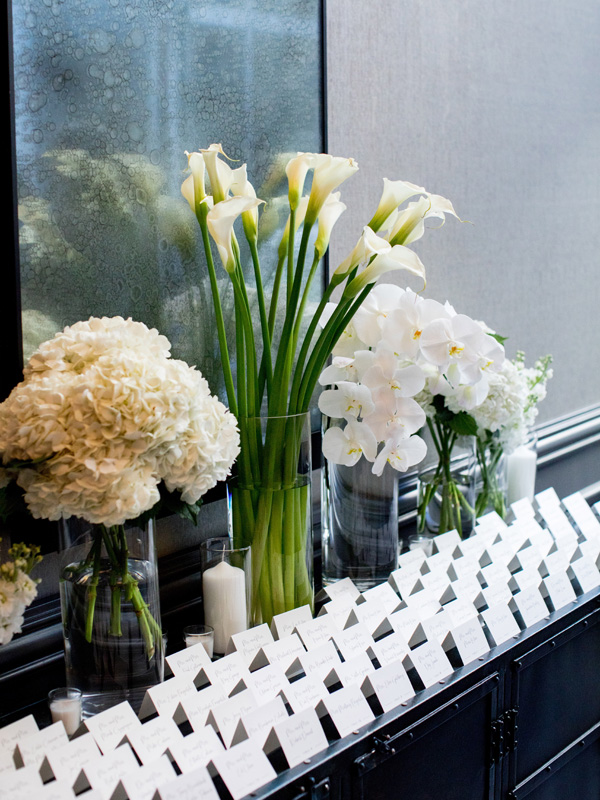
column 109, row 94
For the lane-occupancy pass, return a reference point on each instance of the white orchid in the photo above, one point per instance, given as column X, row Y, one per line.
column 346, row 446
column 398, row 257
column 349, row 401
column 371, row 317
column 400, row 454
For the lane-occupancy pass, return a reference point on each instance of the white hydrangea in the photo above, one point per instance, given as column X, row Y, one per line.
column 17, row 591
column 109, row 415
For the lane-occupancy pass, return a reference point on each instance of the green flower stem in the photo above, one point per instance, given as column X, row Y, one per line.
column 93, row 589
column 275, row 296
column 290, row 256
column 264, row 322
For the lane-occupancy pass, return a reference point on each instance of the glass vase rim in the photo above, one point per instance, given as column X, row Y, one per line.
column 204, row 545
column 275, row 416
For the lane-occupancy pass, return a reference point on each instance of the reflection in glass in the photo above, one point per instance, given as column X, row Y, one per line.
column 108, row 97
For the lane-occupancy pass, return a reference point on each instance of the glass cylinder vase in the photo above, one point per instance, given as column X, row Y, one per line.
column 270, row 508
column 491, row 484
column 446, row 487
column 359, row 518
column 110, row 612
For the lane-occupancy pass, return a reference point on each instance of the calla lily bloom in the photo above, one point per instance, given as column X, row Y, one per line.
column 400, row 454
column 296, row 171
column 348, row 445
column 368, row 245
column 330, row 172
column 410, row 223
column 399, row 257
column 394, row 194
column 220, row 221
column 219, row 173
column 298, row 220
column 241, row 187
column 332, row 209
column 193, row 188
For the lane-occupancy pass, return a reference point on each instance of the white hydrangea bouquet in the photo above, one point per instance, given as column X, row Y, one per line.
column 503, row 421
column 17, row 589
column 107, row 427
column 405, row 362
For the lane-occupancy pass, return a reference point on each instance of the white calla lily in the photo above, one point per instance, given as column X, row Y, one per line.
column 296, row 171
column 193, row 188
column 220, row 174
column 298, row 220
column 346, row 446
column 329, row 173
column 369, row 245
column 394, row 194
column 399, row 257
column 409, row 225
column 241, row 187
column 400, row 454
column 332, row 209
column 221, row 219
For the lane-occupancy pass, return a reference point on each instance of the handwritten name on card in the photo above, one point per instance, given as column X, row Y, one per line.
column 353, row 640
column 283, row 625
column 109, row 727
column 105, row 773
column 32, row 749
column 430, row 662
column 227, row 714
column 559, row 589
column 66, row 762
column 384, row 595
column 267, row 683
column 228, row 671
column 320, row 661
column 284, row 651
column 337, row 589
column 305, row 693
column 188, row 662
column 389, row 649
column 301, row 736
column 584, row 517
column 22, row 784
column 469, row 640
column 153, row 738
column 196, row 750
column 248, row 643
column 190, row 786
column 348, row 710
column 501, row 623
column 244, row 769
column 585, row 573
column 10, row 734
column 258, row 723
column 391, row 684
column 164, row 698
column 316, row 632
column 196, row 708
column 142, row 784
column 530, row 604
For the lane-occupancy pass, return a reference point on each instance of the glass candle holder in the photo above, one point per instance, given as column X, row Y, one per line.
column 226, row 589
column 65, row 706
column 200, row 634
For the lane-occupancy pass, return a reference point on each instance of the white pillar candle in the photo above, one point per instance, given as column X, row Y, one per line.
column 521, row 469
column 224, row 591
column 69, row 711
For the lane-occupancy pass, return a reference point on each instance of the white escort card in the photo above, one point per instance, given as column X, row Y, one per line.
column 285, row 652
column 316, row 632
column 320, row 661
column 151, row 740
column 436, row 583
column 22, row 784
column 229, row 671
column 372, row 615
column 523, row 509
column 354, row 640
column 164, row 699
column 464, row 567
column 142, row 784
column 188, row 662
column 469, row 641
column 530, row 576
column 305, row 693
column 497, row 593
column 557, row 587
column 430, row 663
column 383, row 594
column 354, row 671
column 492, row 521
column 547, row 498
column 557, row 521
column 390, row 684
column 472, row 547
column 432, row 629
column 495, row 573
column 585, row 572
column 348, row 710
column 412, row 557
column 66, row 762
column 584, row 517
column 189, row 786
column 105, row 774
column 527, row 557
column 406, row 582
column 267, row 683
column 10, row 734
column 300, row 737
column 529, row 605
column 7, row 763
column 389, row 649
column 460, row 611
column 257, row 724
column 32, row 749
column 196, row 708
column 558, row 561
column 196, row 750
column 337, row 589
column 283, row 624
column 405, row 621
column 56, row 790
column 244, row 769
column 466, row 588
column 590, row 549
column 500, row 623
column 248, row 643
column 226, row 716
column 446, row 541
column 339, row 610
column 109, row 727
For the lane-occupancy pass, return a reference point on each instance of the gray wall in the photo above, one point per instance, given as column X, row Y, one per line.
column 495, row 105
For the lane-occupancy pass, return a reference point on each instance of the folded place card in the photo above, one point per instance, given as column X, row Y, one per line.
column 354, row 671
column 31, row 750
column 529, row 605
column 383, row 594
column 143, row 784
column 527, row 557
column 196, row 750
column 466, row 588
column 530, row 576
column 438, row 562
column 151, row 740
column 257, row 724
column 283, row 624
column 106, row 773
column 196, row 708
column 472, row 547
column 348, row 710
column 500, row 623
column 319, row 662
column 339, row 610
column 416, row 556
column 501, row 553
column 189, row 786
column 460, row 611
column 584, row 517
column 406, row 582
column 557, row 521
column 436, row 582
column 558, row 588
column 492, row 521
column 22, row 784
column 337, row 589
column 590, row 549
column 66, row 762
column 188, row 662
column 425, row 608
column 547, row 499
column 165, row 698
column 248, row 643
column 300, row 737
column 495, row 573
column 523, row 509
column 109, row 727
column 446, row 541
column 316, row 632
column 352, row 641
column 284, row 652
column 10, row 734
column 405, row 622
column 305, row 693
column 464, row 567
column 244, row 769
column 585, row 572
column 55, row 790
column 568, row 545
column 430, row 663
column 7, row 762
column 496, row 593
column 390, row 684
column 558, row 561
column 372, row 615
column 226, row 716
column 432, row 629
column 469, row 641
column 267, row 683
column 389, row 649
column 517, row 537
column 230, row 671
